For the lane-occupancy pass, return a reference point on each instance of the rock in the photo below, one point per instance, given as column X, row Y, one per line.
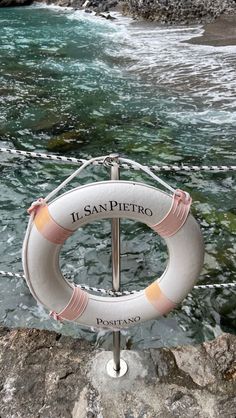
column 64, row 142
column 163, row 11
column 179, row 11
column 47, row 375
column 108, row 17
column 99, row 6
column 14, row 3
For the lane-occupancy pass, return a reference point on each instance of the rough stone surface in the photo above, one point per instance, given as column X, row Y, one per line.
column 179, row 11
column 161, row 11
column 14, row 3
column 98, row 6
column 46, row 375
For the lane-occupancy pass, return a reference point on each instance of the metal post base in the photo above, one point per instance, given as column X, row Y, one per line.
column 117, row 373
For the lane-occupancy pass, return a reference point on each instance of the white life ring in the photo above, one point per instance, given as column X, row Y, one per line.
column 52, row 224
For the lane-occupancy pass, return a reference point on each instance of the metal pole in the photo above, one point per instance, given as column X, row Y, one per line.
column 116, row 367
column 115, row 234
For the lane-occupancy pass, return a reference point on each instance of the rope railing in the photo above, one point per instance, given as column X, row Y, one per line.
column 155, row 168
column 124, row 292
column 127, row 165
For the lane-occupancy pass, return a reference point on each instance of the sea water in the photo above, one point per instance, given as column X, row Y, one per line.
column 78, row 85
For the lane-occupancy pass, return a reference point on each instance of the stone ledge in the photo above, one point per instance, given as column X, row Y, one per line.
column 179, row 11
column 46, row 375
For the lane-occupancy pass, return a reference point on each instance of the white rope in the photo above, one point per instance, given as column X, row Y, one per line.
column 126, row 165
column 76, row 173
column 43, row 156
column 107, row 159
column 148, row 171
column 124, row 292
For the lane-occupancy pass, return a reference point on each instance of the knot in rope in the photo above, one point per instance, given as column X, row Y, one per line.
column 35, row 206
column 55, row 316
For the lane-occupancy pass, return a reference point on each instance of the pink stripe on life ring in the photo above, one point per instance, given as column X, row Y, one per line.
column 176, row 217
column 75, row 307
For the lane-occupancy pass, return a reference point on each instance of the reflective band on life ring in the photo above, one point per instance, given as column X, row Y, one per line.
column 55, row 222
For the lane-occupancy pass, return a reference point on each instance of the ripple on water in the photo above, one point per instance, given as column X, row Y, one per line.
column 78, row 84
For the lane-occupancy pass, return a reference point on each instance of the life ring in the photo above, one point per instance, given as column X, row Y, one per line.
column 53, row 223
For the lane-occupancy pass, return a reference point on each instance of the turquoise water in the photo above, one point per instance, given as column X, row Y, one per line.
column 77, row 85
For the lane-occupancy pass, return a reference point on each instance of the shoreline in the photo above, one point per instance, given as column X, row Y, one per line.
column 218, row 33
column 221, row 32
column 219, row 24
column 169, row 12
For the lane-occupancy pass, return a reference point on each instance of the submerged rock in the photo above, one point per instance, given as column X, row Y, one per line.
column 46, row 375
column 65, row 142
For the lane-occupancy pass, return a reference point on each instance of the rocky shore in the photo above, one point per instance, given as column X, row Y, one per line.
column 179, row 11
column 98, row 6
column 47, row 375
column 88, row 5
column 15, row 3
column 161, row 11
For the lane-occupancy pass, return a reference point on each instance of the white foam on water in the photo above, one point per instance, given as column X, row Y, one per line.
column 160, row 57
column 36, row 5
